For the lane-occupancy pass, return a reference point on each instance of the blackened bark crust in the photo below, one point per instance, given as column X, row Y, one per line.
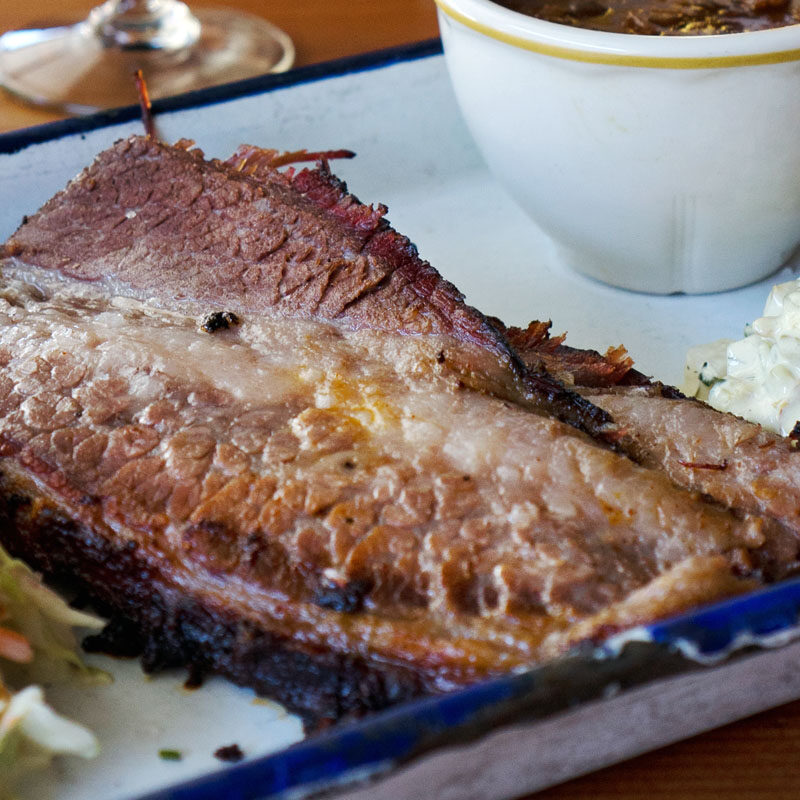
column 168, row 628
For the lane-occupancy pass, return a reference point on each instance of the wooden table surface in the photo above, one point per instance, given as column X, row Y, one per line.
column 756, row 759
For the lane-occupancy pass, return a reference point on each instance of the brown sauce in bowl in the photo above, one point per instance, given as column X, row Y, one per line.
column 663, row 17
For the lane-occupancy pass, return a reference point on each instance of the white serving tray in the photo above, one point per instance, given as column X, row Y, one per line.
column 415, row 155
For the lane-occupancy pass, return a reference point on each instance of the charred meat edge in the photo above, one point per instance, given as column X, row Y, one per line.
column 152, row 618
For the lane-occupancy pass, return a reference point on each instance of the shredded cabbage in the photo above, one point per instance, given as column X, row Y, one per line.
column 37, row 644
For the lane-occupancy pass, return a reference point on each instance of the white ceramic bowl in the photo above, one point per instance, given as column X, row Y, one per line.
column 656, row 163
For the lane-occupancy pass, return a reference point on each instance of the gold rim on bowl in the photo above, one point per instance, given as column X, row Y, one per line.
column 621, row 59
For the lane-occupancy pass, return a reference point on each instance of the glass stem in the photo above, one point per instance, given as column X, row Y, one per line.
column 144, row 24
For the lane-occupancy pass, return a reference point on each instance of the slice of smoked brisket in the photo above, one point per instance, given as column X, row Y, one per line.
column 343, row 498
column 735, row 462
column 292, row 243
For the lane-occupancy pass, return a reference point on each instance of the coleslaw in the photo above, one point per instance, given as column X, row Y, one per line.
column 37, row 644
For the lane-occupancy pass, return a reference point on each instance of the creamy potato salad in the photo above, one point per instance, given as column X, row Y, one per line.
column 756, row 377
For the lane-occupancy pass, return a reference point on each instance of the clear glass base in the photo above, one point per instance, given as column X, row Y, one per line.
column 74, row 69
